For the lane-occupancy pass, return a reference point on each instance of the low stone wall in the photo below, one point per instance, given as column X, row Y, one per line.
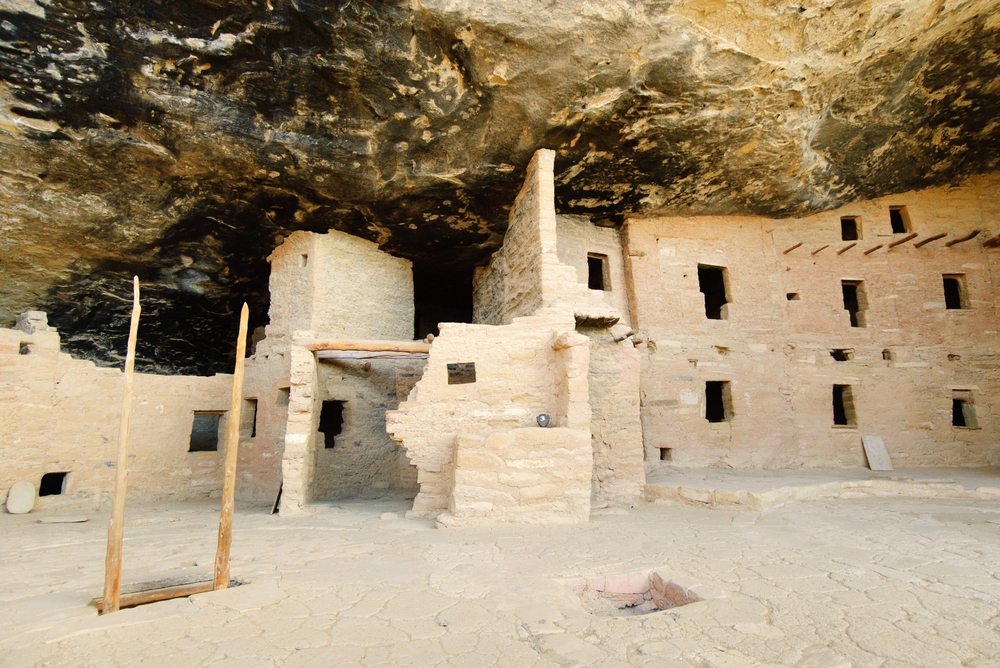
column 61, row 415
column 530, row 475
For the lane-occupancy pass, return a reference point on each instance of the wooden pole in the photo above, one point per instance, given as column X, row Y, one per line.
column 113, row 560
column 221, row 577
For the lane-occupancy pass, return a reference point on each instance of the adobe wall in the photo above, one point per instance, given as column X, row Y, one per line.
column 787, row 314
column 62, row 415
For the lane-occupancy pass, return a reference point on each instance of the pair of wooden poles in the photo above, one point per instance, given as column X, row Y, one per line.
column 113, row 561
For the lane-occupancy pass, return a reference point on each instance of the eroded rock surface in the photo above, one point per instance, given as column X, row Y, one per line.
column 183, row 140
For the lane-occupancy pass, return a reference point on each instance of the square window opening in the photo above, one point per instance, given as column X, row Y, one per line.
column 899, row 219
column 843, row 406
column 460, row 374
column 666, row 455
column 954, row 291
column 850, row 230
column 842, row 354
column 331, row 421
column 963, row 410
column 792, row 296
column 597, row 272
column 26, row 348
column 712, row 283
column 888, row 355
column 281, row 401
column 303, row 259
column 52, row 484
column 855, row 301
column 205, row 432
column 718, row 401
column 250, row 416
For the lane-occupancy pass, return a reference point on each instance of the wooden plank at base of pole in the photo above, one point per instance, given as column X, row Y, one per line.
column 113, row 559
column 221, row 578
column 164, row 594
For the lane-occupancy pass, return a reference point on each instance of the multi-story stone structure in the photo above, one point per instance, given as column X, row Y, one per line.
column 740, row 342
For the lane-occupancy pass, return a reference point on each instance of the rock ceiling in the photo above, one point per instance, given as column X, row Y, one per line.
column 181, row 140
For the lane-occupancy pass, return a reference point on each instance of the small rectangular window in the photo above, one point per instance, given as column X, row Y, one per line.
column 718, row 401
column 26, row 349
column 331, row 421
column 597, row 272
column 666, row 454
column 899, row 219
column 963, row 410
column 888, row 356
column 842, row 354
column 954, row 291
column 855, row 301
column 843, row 406
column 712, row 283
column 460, row 374
column 205, row 432
column 250, row 417
column 850, row 230
column 303, row 259
column 792, row 296
column 282, row 399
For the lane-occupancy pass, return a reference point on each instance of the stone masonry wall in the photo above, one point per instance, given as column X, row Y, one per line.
column 517, row 376
column 787, row 315
column 335, row 286
column 62, row 415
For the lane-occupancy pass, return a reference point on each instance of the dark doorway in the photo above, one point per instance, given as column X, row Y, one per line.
column 717, row 401
column 843, row 405
column 597, row 272
column 331, row 421
column 712, row 283
column 205, row 432
column 854, row 301
column 439, row 297
column 53, row 484
column 899, row 220
column 953, row 292
column 849, row 229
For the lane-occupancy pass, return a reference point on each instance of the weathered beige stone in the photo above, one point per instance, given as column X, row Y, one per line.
column 20, row 498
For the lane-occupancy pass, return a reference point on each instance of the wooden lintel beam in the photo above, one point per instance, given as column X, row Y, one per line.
column 368, row 355
column 316, row 345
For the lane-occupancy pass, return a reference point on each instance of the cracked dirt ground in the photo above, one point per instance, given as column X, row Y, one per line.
column 867, row 582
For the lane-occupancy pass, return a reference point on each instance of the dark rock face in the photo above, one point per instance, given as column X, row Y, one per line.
column 181, row 140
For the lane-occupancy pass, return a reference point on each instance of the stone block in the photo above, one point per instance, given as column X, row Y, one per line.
column 21, row 498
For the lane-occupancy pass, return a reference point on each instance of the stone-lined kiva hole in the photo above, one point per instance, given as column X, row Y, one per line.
column 638, row 592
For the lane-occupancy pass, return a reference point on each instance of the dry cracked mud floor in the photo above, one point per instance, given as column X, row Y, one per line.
column 882, row 583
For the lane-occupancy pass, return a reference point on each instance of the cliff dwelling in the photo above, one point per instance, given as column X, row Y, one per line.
column 596, row 334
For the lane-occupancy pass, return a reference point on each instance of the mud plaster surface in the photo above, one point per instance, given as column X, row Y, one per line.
column 884, row 583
